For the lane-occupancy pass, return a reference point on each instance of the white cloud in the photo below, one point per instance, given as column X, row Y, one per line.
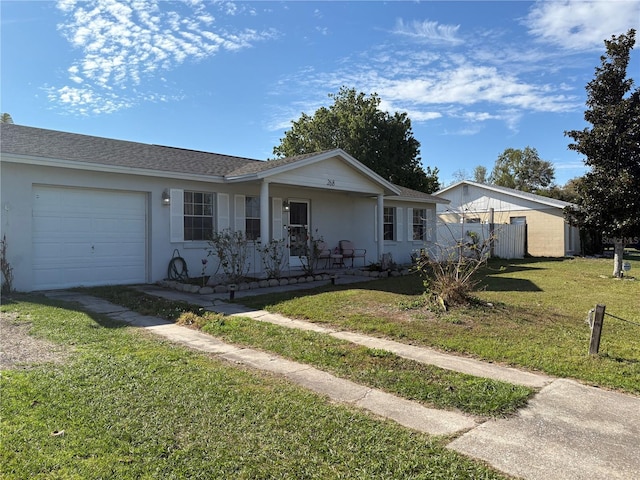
column 428, row 31
column 582, row 25
column 123, row 44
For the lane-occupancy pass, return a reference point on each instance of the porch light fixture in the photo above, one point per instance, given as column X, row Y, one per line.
column 166, row 198
column 285, row 206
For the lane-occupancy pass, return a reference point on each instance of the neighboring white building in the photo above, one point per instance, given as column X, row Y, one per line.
column 79, row 210
column 548, row 233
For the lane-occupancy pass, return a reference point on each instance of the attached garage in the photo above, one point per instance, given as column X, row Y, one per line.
column 88, row 237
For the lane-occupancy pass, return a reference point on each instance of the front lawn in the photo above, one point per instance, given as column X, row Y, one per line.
column 430, row 385
column 124, row 404
column 537, row 319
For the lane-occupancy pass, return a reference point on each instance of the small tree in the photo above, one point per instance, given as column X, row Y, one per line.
column 608, row 199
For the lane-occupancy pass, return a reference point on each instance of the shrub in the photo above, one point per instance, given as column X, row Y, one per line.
column 273, row 257
column 232, row 251
column 449, row 278
column 5, row 267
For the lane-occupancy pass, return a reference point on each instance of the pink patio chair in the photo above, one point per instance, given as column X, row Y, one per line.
column 348, row 250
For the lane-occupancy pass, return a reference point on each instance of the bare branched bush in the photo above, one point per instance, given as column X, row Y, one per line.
column 273, row 256
column 232, row 251
column 311, row 256
column 448, row 274
column 5, row 267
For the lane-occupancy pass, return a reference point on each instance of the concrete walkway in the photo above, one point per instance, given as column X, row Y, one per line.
column 568, row 430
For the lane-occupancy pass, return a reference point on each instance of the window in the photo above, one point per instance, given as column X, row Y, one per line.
column 198, row 215
column 472, row 220
column 517, row 220
column 389, row 223
column 252, row 218
column 419, row 220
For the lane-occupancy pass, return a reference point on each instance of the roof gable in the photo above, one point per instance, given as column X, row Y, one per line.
column 531, row 197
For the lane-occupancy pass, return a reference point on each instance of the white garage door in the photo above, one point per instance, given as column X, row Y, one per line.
column 88, row 237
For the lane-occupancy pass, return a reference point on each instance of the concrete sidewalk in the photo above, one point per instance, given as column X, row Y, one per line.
column 568, row 430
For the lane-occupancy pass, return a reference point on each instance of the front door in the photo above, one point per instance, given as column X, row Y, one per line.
column 298, row 231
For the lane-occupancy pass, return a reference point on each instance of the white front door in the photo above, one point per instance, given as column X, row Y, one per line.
column 298, row 231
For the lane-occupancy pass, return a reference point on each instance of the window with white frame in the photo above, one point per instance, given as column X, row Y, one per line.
column 389, row 223
column 252, row 218
column 419, row 223
column 198, row 215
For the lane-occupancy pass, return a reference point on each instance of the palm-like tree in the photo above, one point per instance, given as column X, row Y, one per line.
column 6, row 118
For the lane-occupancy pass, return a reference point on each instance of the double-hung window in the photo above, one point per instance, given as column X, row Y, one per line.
column 419, row 223
column 198, row 215
column 389, row 223
column 252, row 218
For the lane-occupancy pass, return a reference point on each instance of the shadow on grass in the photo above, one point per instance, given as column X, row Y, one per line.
column 493, row 284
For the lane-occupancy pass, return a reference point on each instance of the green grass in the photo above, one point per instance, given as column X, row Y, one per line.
column 376, row 368
column 132, row 406
column 538, row 318
column 433, row 386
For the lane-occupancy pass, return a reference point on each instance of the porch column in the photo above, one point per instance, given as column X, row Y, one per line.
column 264, row 212
column 380, row 223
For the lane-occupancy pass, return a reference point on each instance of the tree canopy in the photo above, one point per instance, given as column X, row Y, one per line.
column 608, row 199
column 382, row 141
column 6, row 118
column 566, row 193
column 480, row 174
column 522, row 170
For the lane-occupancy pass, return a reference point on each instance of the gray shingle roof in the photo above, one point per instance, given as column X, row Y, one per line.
column 85, row 149
column 37, row 142
column 416, row 195
column 257, row 167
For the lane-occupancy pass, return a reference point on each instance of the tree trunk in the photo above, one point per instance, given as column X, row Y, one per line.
column 618, row 254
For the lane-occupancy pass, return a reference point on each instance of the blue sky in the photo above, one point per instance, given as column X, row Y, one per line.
column 229, row 77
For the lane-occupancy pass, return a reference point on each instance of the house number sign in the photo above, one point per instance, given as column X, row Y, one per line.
column 331, row 182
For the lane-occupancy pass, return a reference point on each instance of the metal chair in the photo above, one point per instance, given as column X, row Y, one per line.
column 348, row 250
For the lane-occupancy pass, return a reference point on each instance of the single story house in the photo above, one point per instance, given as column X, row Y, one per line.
column 548, row 234
column 79, row 210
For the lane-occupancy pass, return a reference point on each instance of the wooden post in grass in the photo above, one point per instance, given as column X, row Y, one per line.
column 596, row 329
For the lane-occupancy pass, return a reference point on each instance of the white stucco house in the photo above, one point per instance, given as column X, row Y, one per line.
column 548, row 234
column 79, row 210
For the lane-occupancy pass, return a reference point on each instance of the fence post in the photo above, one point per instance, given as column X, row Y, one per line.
column 596, row 330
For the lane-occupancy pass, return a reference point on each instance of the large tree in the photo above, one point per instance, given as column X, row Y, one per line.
column 609, row 198
column 522, row 170
column 355, row 123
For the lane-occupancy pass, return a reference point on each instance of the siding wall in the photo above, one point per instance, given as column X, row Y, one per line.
column 548, row 235
column 334, row 214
